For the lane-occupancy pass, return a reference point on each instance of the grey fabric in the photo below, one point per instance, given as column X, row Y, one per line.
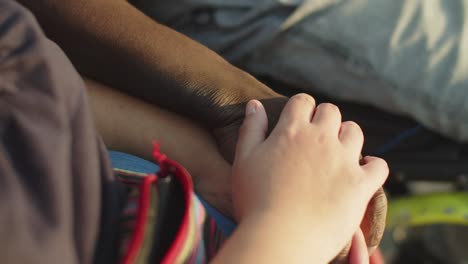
column 404, row 56
column 59, row 200
column 233, row 28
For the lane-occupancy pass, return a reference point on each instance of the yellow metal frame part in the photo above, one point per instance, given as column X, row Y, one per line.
column 428, row 209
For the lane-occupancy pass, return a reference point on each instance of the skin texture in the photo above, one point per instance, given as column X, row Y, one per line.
column 292, row 202
column 211, row 173
column 115, row 44
column 180, row 138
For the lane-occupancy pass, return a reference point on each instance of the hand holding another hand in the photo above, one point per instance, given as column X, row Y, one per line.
column 306, row 172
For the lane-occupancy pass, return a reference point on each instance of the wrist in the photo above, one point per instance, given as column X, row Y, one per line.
column 299, row 240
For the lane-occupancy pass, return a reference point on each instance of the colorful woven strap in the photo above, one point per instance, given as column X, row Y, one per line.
column 196, row 238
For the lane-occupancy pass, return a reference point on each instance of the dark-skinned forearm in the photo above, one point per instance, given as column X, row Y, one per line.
column 116, row 44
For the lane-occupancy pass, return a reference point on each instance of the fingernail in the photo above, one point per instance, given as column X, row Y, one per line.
column 251, row 108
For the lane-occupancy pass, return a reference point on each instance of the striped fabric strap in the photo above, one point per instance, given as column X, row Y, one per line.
column 197, row 237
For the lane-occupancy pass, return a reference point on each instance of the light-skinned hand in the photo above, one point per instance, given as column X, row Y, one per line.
column 306, row 173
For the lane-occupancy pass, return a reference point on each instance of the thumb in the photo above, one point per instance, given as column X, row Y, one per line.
column 253, row 130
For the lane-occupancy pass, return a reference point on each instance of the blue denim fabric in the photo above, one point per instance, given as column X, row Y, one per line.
column 126, row 161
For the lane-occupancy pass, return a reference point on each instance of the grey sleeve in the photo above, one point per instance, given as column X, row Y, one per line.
column 58, row 200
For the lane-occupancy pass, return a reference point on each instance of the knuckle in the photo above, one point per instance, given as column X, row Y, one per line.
column 383, row 164
column 303, row 98
column 289, row 133
column 351, row 125
column 329, row 108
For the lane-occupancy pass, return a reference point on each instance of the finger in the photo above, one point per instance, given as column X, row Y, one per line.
column 358, row 253
column 298, row 109
column 377, row 257
column 328, row 116
column 376, row 170
column 352, row 137
column 253, row 130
